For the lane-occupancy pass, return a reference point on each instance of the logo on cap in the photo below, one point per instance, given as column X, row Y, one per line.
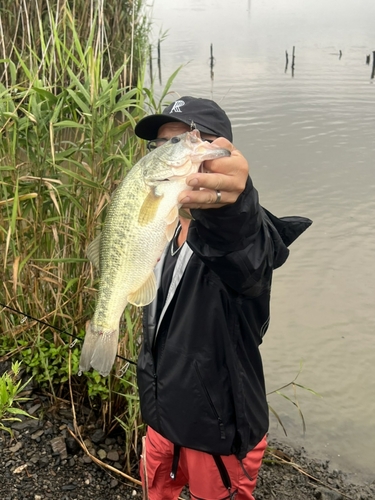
column 176, row 107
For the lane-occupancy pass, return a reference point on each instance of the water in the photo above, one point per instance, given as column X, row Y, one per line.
column 309, row 138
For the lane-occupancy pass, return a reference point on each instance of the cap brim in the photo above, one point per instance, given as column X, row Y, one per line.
column 148, row 127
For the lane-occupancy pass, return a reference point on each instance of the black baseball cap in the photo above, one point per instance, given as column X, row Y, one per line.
column 202, row 114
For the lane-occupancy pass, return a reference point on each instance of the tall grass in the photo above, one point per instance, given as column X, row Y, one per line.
column 41, row 30
column 69, row 100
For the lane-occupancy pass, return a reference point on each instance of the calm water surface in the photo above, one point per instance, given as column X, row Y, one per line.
column 309, row 138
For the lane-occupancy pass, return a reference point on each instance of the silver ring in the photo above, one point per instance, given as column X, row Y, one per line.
column 218, row 196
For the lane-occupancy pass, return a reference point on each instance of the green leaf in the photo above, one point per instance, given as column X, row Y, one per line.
column 69, row 124
column 18, row 411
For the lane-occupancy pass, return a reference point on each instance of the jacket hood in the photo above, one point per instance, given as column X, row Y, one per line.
column 289, row 228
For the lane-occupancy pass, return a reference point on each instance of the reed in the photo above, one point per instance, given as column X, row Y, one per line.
column 41, row 31
column 69, row 100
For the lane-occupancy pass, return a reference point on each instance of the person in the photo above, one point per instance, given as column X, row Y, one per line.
column 200, row 376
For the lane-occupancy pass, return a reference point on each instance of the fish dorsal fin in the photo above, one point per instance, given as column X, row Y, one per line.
column 145, row 294
column 149, row 208
column 93, row 251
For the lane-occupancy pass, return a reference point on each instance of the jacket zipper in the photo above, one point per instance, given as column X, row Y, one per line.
column 156, row 399
column 220, row 422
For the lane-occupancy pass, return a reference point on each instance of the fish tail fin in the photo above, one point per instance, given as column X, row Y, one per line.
column 91, row 338
column 105, row 352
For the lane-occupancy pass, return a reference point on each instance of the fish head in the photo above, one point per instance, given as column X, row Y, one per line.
column 179, row 157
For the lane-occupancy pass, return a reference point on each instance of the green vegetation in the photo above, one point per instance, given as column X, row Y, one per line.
column 71, row 91
column 10, row 389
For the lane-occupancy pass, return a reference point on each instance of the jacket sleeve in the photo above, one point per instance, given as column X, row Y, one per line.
column 238, row 243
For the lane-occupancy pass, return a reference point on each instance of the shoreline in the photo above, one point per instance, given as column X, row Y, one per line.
column 44, row 461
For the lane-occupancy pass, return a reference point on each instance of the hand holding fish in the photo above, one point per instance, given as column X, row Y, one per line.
column 227, row 175
column 141, row 220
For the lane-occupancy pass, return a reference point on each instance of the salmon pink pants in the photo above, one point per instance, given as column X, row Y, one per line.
column 199, row 471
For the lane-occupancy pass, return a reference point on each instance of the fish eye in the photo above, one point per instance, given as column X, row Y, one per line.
column 174, row 140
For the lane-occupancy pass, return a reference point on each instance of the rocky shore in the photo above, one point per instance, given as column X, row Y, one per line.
column 44, row 461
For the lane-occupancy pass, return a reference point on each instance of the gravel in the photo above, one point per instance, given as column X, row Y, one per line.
column 43, row 461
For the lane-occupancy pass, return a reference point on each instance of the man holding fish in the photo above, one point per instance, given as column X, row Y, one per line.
column 200, row 372
column 205, row 279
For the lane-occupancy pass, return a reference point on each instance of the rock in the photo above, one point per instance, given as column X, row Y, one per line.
column 44, row 462
column 98, row 436
column 16, row 447
column 35, row 458
column 58, row 446
column 37, row 434
column 102, row 454
column 33, row 408
column 29, row 423
column 72, row 446
column 326, row 494
column 113, row 483
column 68, row 487
column 113, row 456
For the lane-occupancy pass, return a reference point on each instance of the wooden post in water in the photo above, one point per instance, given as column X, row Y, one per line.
column 373, row 65
column 286, row 60
column 368, row 59
column 212, row 59
column 293, row 59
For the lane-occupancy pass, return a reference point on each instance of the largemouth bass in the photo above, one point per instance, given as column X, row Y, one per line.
column 141, row 220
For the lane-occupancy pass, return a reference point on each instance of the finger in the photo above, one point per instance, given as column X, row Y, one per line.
column 206, row 198
column 226, row 174
column 213, row 181
column 224, row 143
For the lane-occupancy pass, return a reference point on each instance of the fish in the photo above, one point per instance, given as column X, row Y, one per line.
column 141, row 219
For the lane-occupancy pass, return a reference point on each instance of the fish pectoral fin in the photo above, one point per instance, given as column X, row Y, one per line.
column 172, row 221
column 149, row 208
column 93, row 251
column 145, row 294
column 170, row 229
column 172, row 216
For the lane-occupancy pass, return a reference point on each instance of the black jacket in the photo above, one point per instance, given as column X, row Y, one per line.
column 200, row 376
